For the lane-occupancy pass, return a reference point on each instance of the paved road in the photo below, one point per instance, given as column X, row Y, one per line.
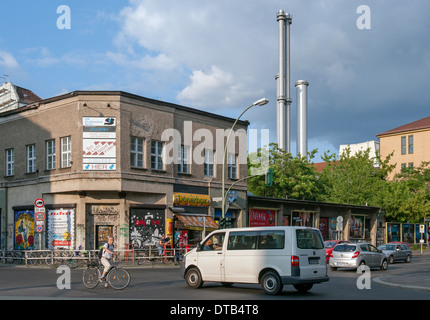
column 400, row 281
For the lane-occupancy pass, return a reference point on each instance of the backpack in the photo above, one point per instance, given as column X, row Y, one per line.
column 100, row 253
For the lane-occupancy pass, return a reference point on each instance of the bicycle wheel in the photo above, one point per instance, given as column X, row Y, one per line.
column 118, row 278
column 91, row 277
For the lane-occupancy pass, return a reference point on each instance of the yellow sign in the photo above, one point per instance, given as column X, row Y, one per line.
column 191, row 200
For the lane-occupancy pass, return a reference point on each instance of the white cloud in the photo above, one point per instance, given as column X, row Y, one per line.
column 214, row 89
column 7, row 60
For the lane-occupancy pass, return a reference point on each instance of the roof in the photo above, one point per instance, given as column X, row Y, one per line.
column 416, row 125
column 27, row 96
column 123, row 94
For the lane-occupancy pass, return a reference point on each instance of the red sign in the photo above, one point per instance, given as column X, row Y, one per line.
column 262, row 218
column 39, row 203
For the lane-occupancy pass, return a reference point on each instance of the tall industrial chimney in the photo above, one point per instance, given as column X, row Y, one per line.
column 302, row 117
column 283, row 82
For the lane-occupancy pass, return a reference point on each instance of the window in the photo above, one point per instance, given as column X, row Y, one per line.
column 309, row 239
column 256, row 240
column 50, row 154
column 137, row 152
column 184, row 159
column 157, row 155
column 10, row 162
column 403, row 145
column 31, row 158
column 232, row 165
column 214, row 243
column 66, row 152
column 209, row 163
column 410, row 144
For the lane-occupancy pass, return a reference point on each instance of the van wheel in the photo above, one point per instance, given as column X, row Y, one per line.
column 302, row 288
column 193, row 278
column 271, row 283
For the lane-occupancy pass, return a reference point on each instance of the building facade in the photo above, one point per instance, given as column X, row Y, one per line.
column 408, row 143
column 114, row 163
column 336, row 221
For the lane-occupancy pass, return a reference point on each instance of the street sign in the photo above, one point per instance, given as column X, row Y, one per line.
column 40, row 216
column 39, row 228
column 422, row 227
column 39, row 203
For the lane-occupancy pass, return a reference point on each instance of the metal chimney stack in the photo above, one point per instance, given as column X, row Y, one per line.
column 283, row 82
column 302, row 117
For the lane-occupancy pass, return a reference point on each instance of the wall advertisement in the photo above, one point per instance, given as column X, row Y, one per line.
column 60, row 232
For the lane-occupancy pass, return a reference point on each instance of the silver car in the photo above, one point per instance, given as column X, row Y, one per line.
column 353, row 255
column 396, row 252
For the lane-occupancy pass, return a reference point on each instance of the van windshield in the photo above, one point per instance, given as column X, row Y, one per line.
column 309, row 239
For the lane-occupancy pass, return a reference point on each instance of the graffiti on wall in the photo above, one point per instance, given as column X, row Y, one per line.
column 24, row 230
column 146, row 227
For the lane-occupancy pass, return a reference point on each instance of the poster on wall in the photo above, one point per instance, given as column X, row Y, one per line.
column 393, row 232
column 262, row 218
column 356, row 227
column 60, row 232
column 24, row 230
column 302, row 218
column 99, row 144
column 146, row 227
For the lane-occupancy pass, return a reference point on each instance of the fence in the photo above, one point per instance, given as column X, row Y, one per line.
column 80, row 258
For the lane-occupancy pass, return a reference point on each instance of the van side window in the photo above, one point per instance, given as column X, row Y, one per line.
column 252, row 240
column 214, row 243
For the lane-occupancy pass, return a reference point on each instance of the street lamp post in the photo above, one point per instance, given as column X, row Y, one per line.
column 260, row 102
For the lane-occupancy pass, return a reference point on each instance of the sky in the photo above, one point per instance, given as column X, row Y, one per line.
column 368, row 71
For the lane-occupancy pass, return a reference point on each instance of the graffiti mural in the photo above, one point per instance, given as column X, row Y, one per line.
column 24, row 230
column 146, row 227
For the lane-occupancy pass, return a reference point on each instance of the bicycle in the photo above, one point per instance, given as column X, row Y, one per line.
column 116, row 277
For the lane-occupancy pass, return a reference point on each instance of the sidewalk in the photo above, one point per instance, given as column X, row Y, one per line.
column 417, row 280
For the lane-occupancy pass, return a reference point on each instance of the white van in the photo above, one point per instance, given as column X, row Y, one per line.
column 271, row 256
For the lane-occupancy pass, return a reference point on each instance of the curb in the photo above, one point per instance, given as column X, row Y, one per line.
column 397, row 285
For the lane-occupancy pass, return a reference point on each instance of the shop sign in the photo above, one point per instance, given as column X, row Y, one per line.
column 262, row 218
column 191, row 200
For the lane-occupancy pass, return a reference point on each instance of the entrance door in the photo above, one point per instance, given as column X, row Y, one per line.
column 102, row 233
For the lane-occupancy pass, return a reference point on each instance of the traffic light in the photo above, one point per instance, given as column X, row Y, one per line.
column 269, row 177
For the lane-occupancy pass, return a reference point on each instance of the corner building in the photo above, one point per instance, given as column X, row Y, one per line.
column 114, row 163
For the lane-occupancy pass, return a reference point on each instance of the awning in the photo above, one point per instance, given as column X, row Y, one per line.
column 197, row 222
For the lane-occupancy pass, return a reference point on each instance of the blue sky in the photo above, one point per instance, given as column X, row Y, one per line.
column 221, row 56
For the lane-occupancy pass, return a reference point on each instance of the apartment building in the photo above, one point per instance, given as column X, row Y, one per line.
column 115, row 163
column 409, row 143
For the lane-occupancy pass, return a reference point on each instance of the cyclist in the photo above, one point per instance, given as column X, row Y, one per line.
column 108, row 253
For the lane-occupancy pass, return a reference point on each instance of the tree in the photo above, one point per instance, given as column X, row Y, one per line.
column 293, row 177
column 354, row 179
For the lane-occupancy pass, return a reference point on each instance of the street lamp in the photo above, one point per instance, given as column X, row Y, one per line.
column 260, row 102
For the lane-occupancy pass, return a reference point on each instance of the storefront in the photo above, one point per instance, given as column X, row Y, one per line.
column 358, row 223
column 191, row 219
